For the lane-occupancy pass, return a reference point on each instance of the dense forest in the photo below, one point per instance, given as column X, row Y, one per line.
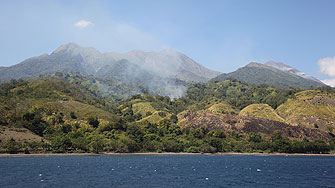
column 65, row 113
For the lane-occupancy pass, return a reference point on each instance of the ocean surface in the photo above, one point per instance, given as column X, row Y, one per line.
column 189, row 171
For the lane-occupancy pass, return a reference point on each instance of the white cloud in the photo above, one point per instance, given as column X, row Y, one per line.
column 110, row 35
column 330, row 82
column 82, row 23
column 327, row 66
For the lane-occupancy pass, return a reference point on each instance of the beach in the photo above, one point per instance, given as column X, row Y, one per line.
column 155, row 153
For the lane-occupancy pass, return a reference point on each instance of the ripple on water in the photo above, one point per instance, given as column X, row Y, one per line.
column 168, row 171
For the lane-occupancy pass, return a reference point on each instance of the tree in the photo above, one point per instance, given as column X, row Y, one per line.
column 148, row 127
column 58, row 118
column 193, row 149
column 217, row 133
column 12, row 146
column 165, row 124
column 93, row 120
column 3, row 115
column 162, row 114
column 34, row 122
column 66, row 128
column 60, row 144
column 97, row 144
column 282, row 146
column 148, row 114
column 134, row 132
column 137, row 117
column 174, row 118
column 204, row 129
column 128, row 114
column 197, row 133
column 206, row 148
column 216, row 143
column 276, row 135
column 170, row 144
column 255, row 137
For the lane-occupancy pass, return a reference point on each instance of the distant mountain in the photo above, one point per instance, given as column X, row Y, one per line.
column 256, row 73
column 74, row 58
column 168, row 62
column 161, row 72
column 44, row 64
column 289, row 69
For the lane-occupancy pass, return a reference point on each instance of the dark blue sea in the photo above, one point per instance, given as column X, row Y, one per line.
column 168, row 171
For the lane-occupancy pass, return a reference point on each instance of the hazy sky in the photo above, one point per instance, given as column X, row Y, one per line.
column 222, row 35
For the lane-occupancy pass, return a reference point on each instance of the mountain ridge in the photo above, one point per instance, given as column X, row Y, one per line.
column 88, row 60
column 289, row 69
column 257, row 73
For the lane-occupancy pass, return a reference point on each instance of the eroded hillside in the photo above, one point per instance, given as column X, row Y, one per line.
column 68, row 115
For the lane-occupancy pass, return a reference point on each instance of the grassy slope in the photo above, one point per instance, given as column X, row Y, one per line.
column 19, row 134
column 222, row 108
column 81, row 110
column 53, row 96
column 143, row 108
column 149, row 107
column 261, row 111
column 309, row 108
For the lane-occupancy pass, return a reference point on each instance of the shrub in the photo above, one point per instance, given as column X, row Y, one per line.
column 148, row 114
column 162, row 114
column 206, row 148
column 192, row 149
column 73, row 115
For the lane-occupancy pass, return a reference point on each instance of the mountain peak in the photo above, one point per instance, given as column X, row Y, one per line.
column 279, row 65
column 74, row 49
column 254, row 64
column 286, row 68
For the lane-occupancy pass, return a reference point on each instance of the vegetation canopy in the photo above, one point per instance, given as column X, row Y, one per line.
column 66, row 115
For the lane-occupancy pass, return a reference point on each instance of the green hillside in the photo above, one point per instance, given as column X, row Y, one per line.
column 256, row 73
column 310, row 108
column 65, row 113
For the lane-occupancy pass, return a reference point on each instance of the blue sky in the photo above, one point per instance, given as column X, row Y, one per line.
column 222, row 35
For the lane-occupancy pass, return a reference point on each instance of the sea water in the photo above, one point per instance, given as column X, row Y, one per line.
column 189, row 171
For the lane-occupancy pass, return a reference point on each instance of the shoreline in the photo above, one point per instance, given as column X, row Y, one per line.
column 162, row 154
